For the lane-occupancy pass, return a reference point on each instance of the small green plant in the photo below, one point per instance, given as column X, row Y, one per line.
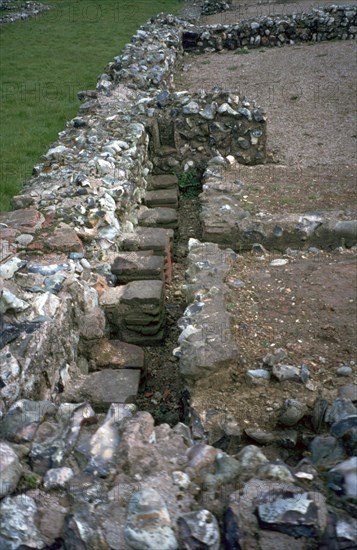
column 233, row 68
column 294, row 97
column 205, row 62
column 31, row 480
column 190, row 184
column 312, row 197
column 241, row 51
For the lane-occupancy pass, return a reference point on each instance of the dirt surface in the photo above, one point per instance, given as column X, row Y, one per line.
column 307, row 307
column 275, row 188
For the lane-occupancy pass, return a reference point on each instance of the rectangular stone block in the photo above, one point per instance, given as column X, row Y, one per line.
column 159, row 217
column 162, row 181
column 108, row 386
column 148, row 238
column 148, row 292
column 140, row 339
column 133, row 266
column 162, row 198
column 117, row 355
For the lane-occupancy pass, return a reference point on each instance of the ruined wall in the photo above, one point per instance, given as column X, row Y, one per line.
column 330, row 23
column 189, row 129
column 58, row 245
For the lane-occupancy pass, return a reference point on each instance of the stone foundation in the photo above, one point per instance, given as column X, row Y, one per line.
column 328, row 23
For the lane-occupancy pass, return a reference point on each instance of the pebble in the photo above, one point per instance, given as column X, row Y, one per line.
column 9, row 302
column 148, row 526
column 10, row 469
column 274, row 358
column 250, row 458
column 344, row 371
column 259, row 373
column 19, row 517
column 271, row 470
column 296, row 514
column 181, row 479
column 286, row 372
column 279, row 262
column 24, row 239
column 349, row 391
column 348, row 469
column 326, row 451
column 201, row 455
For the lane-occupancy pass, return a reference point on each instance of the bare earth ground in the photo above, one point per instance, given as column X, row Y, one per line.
column 307, row 307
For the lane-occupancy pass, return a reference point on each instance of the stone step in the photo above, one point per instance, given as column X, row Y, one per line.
column 149, row 330
column 162, row 181
column 115, row 354
column 139, row 319
column 136, row 311
column 159, row 217
column 155, row 239
column 162, row 198
column 104, row 387
column 134, row 266
column 148, row 238
column 114, row 307
column 142, row 340
column 149, row 292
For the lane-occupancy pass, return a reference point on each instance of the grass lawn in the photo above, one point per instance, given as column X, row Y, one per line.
column 44, row 61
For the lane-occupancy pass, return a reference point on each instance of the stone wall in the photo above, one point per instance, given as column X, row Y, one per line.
column 58, row 245
column 189, row 129
column 210, row 7
column 329, row 23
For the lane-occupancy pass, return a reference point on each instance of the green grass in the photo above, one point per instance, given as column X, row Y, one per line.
column 44, row 61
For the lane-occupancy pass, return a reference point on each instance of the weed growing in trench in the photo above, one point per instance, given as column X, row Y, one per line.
column 190, row 184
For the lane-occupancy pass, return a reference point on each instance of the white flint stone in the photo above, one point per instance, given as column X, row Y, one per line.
column 8, row 302
column 8, row 269
column 46, row 304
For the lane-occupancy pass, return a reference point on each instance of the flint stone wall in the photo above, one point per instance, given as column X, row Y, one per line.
column 210, row 7
column 328, row 23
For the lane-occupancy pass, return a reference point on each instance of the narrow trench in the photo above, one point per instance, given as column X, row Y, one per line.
column 162, row 394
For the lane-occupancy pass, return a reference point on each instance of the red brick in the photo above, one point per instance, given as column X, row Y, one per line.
column 64, row 239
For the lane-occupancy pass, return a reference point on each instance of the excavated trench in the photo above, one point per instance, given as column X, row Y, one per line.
column 163, row 394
